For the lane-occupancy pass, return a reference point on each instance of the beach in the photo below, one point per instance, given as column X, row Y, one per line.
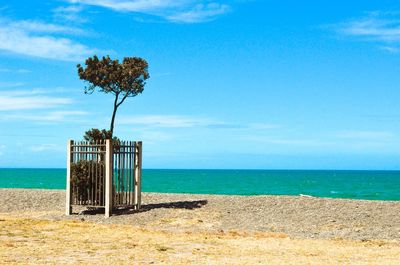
column 202, row 229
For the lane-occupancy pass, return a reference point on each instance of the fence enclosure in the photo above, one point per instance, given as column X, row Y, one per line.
column 103, row 175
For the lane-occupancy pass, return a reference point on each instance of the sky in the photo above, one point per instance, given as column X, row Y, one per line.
column 234, row 84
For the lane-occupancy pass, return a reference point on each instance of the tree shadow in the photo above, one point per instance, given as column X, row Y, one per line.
column 188, row 205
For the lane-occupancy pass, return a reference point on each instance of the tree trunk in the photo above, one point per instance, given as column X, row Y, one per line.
column 113, row 115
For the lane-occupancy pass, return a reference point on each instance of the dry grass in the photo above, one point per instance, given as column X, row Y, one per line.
column 31, row 240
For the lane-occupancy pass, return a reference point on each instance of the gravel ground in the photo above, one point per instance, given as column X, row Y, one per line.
column 301, row 217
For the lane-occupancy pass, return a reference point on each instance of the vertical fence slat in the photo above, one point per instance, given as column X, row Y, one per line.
column 134, row 175
column 119, row 178
column 138, row 173
column 129, row 175
column 140, row 145
column 125, row 174
column 109, row 180
column 101, row 180
column 132, row 170
column 68, row 190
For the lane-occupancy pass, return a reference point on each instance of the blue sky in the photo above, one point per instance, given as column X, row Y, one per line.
column 234, row 84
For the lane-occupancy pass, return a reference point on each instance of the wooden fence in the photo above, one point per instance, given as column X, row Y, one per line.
column 103, row 175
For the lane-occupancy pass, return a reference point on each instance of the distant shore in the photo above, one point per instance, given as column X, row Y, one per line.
column 296, row 216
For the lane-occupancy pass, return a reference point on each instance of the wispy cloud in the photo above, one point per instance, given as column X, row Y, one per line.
column 380, row 27
column 365, row 135
column 45, row 147
column 263, row 126
column 48, row 116
column 23, row 71
column 284, row 141
column 11, row 84
column 41, row 40
column 134, row 5
column 166, row 121
column 25, row 100
column 182, row 11
column 33, row 26
column 17, row 71
column 153, row 137
column 69, row 13
column 200, row 13
column 2, row 147
column 186, row 121
column 390, row 49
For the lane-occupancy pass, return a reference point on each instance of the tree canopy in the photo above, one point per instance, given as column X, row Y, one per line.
column 123, row 80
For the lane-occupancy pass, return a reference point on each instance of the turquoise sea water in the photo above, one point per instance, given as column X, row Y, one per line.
column 371, row 185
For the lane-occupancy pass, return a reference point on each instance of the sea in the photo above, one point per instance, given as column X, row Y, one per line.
column 365, row 185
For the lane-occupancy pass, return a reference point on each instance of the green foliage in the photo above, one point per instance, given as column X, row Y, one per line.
column 95, row 135
column 80, row 176
column 126, row 79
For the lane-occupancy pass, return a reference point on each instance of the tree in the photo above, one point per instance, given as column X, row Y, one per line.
column 123, row 80
column 95, row 135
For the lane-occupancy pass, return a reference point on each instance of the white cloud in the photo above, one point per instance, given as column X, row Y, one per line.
column 45, row 147
column 23, row 92
column 185, row 121
column 69, row 13
column 16, row 105
column 263, row 126
column 153, row 137
column 380, row 27
column 25, row 100
column 200, row 13
column 166, row 121
column 72, row 9
column 11, row 84
column 183, row 11
column 40, row 27
column 390, row 49
column 52, row 116
column 373, row 28
column 38, row 39
column 2, row 147
column 23, row 103
column 284, row 141
column 365, row 135
column 18, row 71
column 133, row 5
column 23, row 71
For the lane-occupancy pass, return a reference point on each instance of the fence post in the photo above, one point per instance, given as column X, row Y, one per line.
column 109, row 172
column 138, row 175
column 68, row 208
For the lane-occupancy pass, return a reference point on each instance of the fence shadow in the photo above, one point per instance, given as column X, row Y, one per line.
column 188, row 205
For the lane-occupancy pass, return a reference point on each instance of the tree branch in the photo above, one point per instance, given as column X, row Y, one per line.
column 122, row 100
column 114, row 112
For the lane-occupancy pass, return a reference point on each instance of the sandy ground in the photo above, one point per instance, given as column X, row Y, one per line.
column 200, row 229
